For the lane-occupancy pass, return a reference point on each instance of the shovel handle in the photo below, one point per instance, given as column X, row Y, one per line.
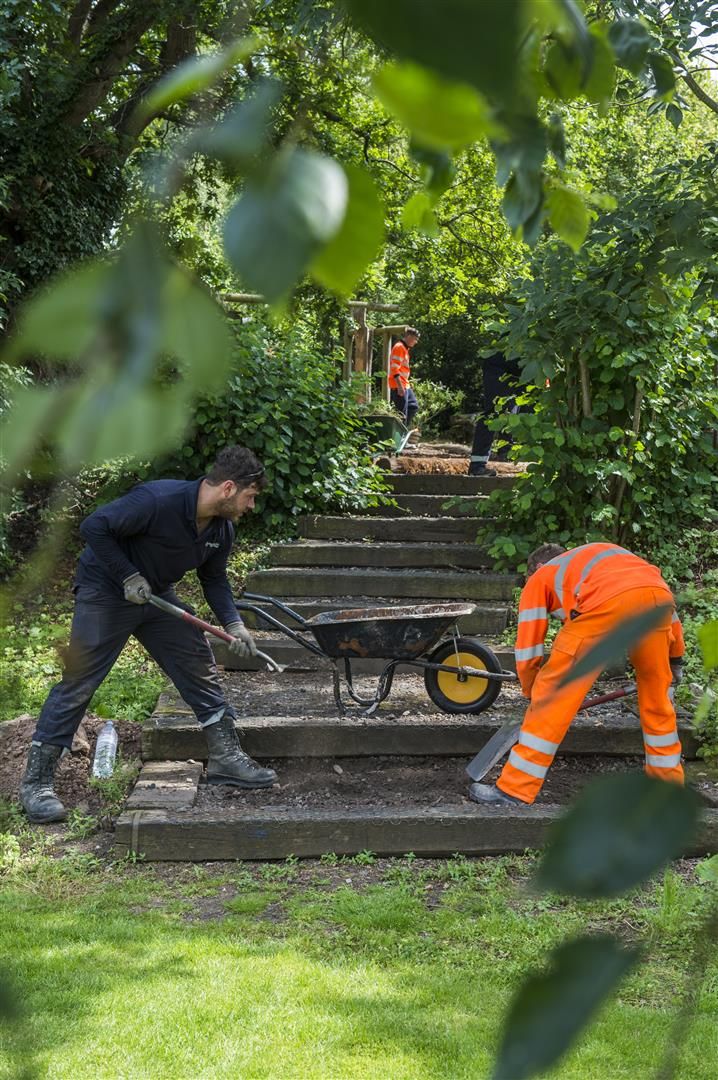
column 625, row 691
column 180, row 613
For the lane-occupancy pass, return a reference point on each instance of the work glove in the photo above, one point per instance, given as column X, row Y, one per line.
column 677, row 670
column 243, row 644
column 137, row 589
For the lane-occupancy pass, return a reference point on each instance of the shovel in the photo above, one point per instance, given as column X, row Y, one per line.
column 508, row 735
column 216, row 631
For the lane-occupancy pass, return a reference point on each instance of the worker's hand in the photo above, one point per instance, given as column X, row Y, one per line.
column 243, row 644
column 400, row 390
column 677, row 670
column 137, row 589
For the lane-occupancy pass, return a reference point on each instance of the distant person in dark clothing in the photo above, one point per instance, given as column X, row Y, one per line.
column 139, row 545
column 499, row 376
column 402, row 396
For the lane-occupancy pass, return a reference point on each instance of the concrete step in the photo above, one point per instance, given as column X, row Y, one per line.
column 427, row 584
column 443, row 484
column 433, row 506
column 486, row 619
column 446, row 530
column 331, row 553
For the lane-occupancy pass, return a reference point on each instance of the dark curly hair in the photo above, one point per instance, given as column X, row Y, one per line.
column 541, row 555
column 238, row 464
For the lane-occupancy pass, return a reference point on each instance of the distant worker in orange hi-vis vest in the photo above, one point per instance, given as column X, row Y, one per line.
column 402, row 396
column 591, row 589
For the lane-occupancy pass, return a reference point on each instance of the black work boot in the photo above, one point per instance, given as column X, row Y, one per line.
column 37, row 797
column 490, row 795
column 228, row 763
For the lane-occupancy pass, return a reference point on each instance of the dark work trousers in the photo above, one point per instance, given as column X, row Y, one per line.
column 101, row 625
column 499, row 374
column 407, row 405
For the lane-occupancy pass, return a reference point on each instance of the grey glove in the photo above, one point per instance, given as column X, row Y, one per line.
column 677, row 670
column 137, row 589
column 243, row 644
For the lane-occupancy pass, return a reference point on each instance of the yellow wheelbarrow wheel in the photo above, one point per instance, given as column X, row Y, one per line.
column 462, row 693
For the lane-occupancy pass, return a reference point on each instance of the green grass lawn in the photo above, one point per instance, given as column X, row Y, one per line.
column 358, row 968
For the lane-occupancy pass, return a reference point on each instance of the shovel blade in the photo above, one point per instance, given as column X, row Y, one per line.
column 496, row 748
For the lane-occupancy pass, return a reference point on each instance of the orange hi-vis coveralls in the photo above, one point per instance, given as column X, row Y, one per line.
column 399, row 366
column 591, row 589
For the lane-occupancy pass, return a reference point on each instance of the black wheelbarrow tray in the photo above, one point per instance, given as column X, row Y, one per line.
column 461, row 674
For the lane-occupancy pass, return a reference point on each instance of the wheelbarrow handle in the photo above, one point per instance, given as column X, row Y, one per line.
column 215, row 631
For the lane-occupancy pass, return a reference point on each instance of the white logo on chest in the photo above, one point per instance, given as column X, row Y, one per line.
column 208, row 543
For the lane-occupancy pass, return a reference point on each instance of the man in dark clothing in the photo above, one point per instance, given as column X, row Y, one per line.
column 140, row 544
column 499, row 375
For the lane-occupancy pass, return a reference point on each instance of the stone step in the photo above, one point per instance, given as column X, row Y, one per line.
column 433, row 506
column 332, row 553
column 446, row 484
column 487, row 619
column 446, row 530
column 425, row 584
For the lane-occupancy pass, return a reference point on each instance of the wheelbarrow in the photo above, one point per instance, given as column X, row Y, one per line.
column 461, row 674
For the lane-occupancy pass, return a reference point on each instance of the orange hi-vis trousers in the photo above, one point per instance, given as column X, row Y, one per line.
column 553, row 707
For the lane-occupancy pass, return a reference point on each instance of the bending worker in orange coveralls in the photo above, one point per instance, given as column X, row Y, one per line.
column 591, row 589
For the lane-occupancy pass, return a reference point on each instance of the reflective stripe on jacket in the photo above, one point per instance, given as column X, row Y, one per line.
column 579, row 580
column 399, row 366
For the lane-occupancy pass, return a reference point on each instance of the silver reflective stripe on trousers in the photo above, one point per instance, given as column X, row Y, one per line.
column 661, row 740
column 668, row 762
column 528, row 654
column 543, row 745
column 532, row 614
column 539, row 771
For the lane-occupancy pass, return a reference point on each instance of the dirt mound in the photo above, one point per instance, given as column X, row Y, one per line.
column 73, row 773
column 449, row 466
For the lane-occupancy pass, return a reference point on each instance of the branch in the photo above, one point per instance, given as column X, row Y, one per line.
column 135, row 22
column 699, row 92
column 181, row 42
column 77, row 20
column 446, row 223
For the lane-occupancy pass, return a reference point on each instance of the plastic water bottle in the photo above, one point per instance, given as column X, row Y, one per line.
column 105, row 751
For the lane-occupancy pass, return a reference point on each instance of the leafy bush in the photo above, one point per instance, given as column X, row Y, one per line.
column 286, row 403
column 621, row 437
column 435, row 398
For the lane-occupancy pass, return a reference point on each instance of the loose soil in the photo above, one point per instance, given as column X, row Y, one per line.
column 391, row 783
column 73, row 773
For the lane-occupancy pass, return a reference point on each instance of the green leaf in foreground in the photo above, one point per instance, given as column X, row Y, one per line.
column 193, row 75
column 708, row 640
column 619, row 831
column 614, row 645
column 567, row 214
column 342, row 262
column 279, row 224
column 461, row 39
column 441, row 114
column 553, row 1007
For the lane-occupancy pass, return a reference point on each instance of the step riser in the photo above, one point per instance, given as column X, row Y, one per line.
column 487, row 621
column 441, row 556
column 431, row 505
column 165, row 837
column 413, row 530
column 179, row 738
column 420, row 584
column 442, row 484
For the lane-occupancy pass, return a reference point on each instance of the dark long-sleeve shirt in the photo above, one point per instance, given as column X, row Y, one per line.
column 153, row 530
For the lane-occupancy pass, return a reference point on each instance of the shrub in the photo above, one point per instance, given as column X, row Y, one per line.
column 287, row 404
